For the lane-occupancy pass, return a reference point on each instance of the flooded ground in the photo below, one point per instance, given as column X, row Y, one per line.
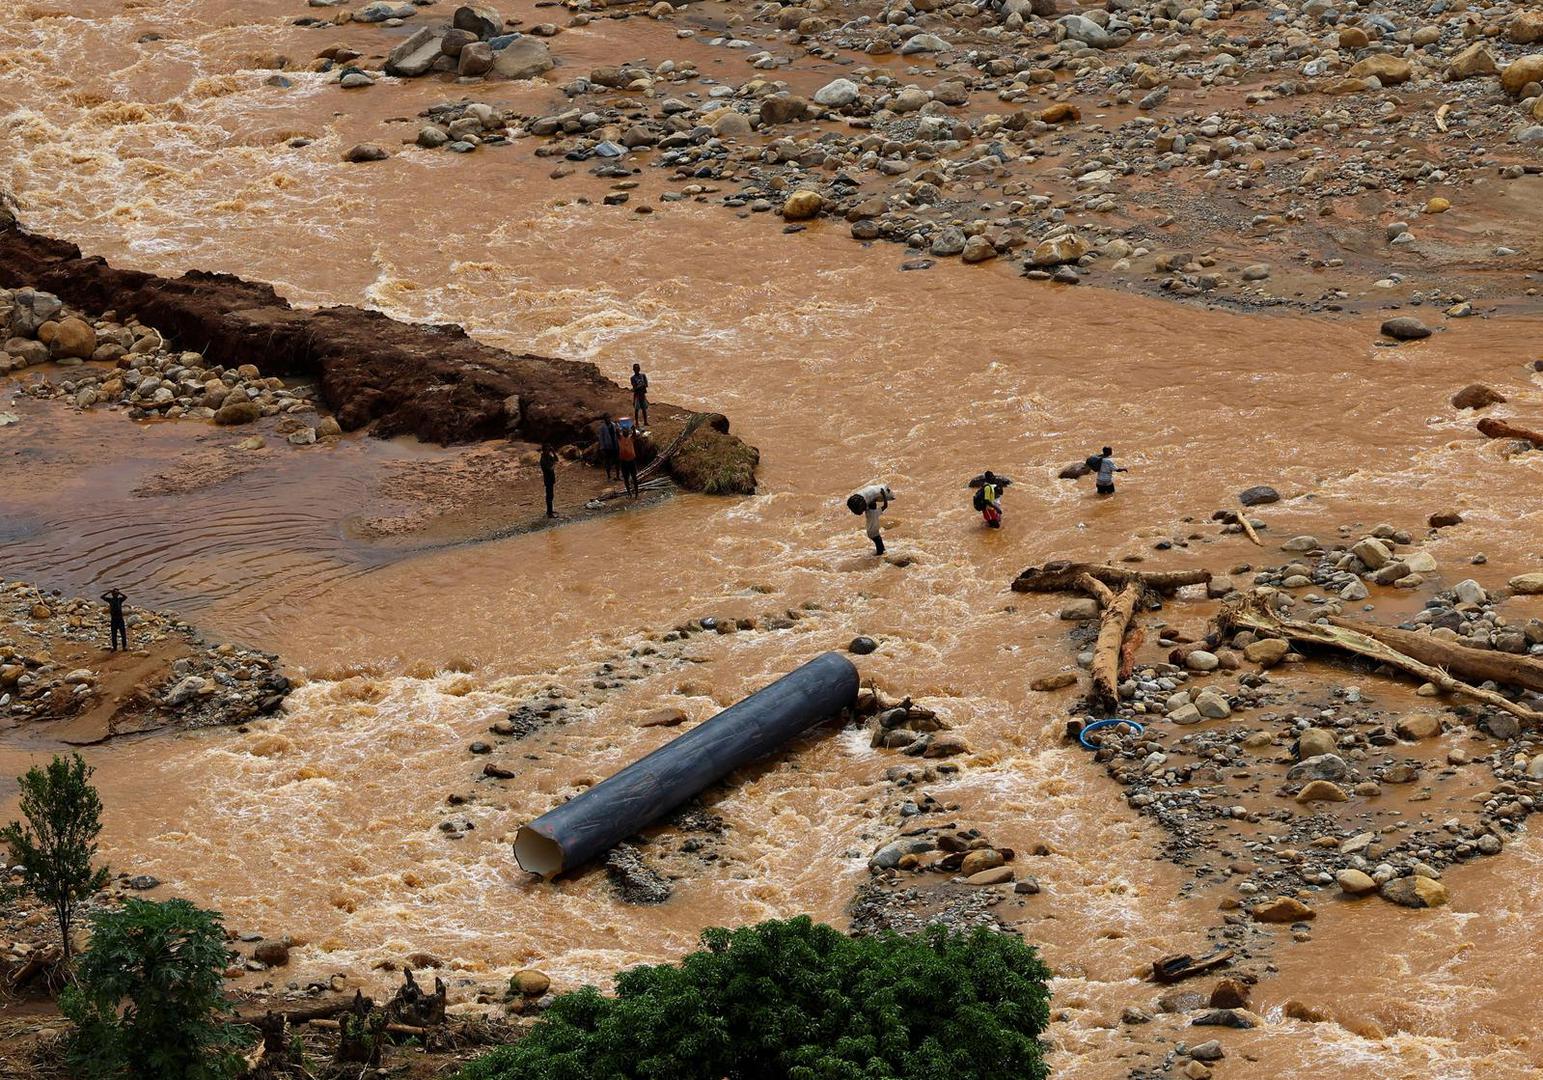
column 842, row 368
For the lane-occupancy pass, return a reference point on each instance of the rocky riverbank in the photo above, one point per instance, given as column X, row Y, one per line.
column 59, row 681
column 1311, row 158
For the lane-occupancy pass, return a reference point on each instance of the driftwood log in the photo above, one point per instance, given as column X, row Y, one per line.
column 1241, row 513
column 1119, row 593
column 1252, row 612
column 1108, row 652
column 1063, row 577
column 1470, row 664
column 1503, row 429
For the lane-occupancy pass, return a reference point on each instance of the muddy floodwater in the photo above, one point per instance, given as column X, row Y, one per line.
column 323, row 822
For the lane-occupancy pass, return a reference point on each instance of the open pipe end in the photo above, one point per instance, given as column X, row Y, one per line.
column 536, row 853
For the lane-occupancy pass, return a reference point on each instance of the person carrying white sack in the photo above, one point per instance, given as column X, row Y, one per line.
column 870, row 502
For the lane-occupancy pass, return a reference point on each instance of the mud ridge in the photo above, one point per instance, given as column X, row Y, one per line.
column 430, row 381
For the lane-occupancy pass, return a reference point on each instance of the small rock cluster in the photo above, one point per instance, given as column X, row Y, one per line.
column 131, row 367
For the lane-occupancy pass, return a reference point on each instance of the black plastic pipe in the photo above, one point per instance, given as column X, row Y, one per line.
column 649, row 788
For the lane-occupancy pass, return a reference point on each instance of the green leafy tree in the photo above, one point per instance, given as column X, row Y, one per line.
column 56, row 846
column 148, row 1001
column 796, row 1000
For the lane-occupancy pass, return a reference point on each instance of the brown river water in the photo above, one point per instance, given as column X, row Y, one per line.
column 322, row 823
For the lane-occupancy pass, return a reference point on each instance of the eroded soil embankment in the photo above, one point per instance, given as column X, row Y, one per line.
column 431, row 381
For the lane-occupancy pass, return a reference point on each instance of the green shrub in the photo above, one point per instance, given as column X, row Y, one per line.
column 148, row 1003
column 56, row 845
column 797, row 1000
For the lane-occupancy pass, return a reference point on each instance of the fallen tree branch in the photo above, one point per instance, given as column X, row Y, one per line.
column 1251, row 612
column 1504, row 429
column 1064, row 576
column 1473, row 665
column 1096, row 589
column 1241, row 513
column 1107, row 653
column 299, row 1016
column 392, row 1029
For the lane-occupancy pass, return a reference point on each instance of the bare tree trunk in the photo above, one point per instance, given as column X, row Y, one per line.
column 1473, row 665
column 1107, row 653
column 1063, row 577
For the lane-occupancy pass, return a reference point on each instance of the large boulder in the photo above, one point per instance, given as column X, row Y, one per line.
column 1526, row 584
column 1526, row 28
column 1083, row 29
column 836, row 93
column 523, row 58
column 1388, row 70
column 1405, row 328
column 238, row 412
column 1476, row 396
column 1320, row 767
column 923, row 43
column 482, row 21
column 1068, row 247
column 1519, row 73
column 74, row 338
column 1472, row 62
column 802, row 205
column 380, row 12
column 476, row 59
column 1415, row 892
column 417, row 55
column 1282, row 909
column 783, row 109
column 30, row 309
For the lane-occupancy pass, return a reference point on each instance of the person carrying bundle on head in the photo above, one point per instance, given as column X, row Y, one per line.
column 988, row 497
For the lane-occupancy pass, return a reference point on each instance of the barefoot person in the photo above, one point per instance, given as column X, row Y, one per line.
column 640, row 396
column 871, row 502
column 117, row 627
column 549, row 475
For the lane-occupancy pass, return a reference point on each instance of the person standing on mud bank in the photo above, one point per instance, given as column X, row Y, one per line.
column 117, row 627
column 871, row 502
column 549, row 475
column 640, row 396
column 627, row 457
column 608, row 446
column 1105, row 470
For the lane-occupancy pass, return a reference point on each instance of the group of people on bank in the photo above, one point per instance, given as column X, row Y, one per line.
column 617, row 440
column 870, row 502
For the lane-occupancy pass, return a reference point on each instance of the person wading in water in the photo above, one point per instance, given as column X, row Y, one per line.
column 549, row 475
column 1103, row 465
column 988, row 497
column 871, row 502
column 117, row 627
column 627, row 457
